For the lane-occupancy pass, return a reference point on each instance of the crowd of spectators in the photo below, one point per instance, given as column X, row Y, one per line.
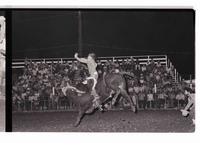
column 151, row 85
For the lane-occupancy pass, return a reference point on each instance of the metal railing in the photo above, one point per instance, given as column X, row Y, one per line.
column 65, row 105
column 19, row 63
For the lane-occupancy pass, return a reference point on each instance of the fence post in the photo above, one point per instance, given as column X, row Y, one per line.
column 148, row 59
column 155, row 88
column 51, row 69
column 53, row 91
column 24, row 105
column 44, row 104
column 18, row 106
column 175, row 74
column 150, row 104
column 177, row 77
column 49, row 104
column 31, row 105
column 165, row 60
column 178, row 104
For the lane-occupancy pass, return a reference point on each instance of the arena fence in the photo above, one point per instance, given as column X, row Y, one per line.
column 64, row 105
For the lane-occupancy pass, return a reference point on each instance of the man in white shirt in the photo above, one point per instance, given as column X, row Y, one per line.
column 190, row 107
column 150, row 99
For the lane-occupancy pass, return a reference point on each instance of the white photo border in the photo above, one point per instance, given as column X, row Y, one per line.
column 113, row 137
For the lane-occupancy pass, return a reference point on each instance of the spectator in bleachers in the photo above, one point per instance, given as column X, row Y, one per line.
column 132, row 64
column 137, row 65
column 151, row 65
column 190, row 107
column 180, row 97
column 132, row 94
column 172, row 97
column 150, row 99
column 161, row 98
column 142, row 97
column 141, row 79
column 144, row 69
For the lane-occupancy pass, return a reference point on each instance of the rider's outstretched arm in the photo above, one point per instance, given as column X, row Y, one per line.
column 82, row 60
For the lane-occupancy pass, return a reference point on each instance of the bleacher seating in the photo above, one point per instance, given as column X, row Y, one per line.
column 153, row 73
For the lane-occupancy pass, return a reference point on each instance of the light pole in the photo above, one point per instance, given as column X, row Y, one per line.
column 80, row 46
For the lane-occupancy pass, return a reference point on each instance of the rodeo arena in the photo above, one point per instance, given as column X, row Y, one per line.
column 153, row 84
column 91, row 93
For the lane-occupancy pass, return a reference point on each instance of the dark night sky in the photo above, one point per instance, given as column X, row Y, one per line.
column 54, row 33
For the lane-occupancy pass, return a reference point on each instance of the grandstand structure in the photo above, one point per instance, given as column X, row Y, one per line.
column 143, row 59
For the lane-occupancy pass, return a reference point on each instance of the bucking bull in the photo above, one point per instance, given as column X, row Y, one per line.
column 108, row 87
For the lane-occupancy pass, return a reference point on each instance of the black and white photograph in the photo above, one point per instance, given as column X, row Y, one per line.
column 102, row 70
column 2, row 71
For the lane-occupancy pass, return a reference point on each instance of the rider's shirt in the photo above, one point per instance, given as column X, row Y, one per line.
column 92, row 68
column 92, row 65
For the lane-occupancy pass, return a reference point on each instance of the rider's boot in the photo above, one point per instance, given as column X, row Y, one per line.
column 96, row 101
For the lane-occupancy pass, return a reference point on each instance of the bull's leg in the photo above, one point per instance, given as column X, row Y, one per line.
column 115, row 97
column 111, row 93
column 84, row 109
column 90, row 110
column 128, row 98
column 80, row 116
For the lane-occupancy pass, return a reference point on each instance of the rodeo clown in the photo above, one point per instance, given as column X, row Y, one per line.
column 190, row 107
column 92, row 65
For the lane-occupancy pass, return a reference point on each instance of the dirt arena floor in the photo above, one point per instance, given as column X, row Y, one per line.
column 110, row 121
column 2, row 115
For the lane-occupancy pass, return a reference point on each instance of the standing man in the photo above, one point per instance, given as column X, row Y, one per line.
column 190, row 107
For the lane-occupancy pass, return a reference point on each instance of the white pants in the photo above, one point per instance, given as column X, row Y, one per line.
column 93, row 76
